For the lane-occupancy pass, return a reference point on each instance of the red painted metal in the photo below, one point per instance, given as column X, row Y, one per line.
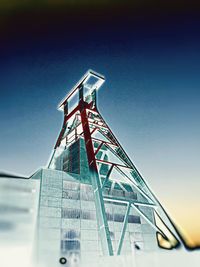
column 110, row 163
column 88, row 141
column 99, row 147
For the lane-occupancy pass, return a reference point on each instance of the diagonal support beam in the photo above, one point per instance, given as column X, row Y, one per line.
column 148, row 221
column 123, row 229
column 125, row 200
column 134, row 185
column 107, row 176
column 99, row 147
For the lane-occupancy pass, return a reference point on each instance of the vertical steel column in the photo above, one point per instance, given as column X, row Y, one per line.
column 99, row 202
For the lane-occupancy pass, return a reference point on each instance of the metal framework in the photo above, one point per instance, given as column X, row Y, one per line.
column 85, row 121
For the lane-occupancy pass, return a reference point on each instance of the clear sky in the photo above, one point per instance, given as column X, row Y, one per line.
column 150, row 56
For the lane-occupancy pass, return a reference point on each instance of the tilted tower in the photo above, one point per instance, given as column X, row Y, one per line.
column 91, row 191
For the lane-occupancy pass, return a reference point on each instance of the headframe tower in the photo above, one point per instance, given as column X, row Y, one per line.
column 87, row 149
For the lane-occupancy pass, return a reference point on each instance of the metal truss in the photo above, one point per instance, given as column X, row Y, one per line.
column 86, row 122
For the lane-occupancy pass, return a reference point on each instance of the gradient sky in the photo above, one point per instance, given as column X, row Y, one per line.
column 150, row 56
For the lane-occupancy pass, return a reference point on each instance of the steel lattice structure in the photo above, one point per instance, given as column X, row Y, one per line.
column 109, row 166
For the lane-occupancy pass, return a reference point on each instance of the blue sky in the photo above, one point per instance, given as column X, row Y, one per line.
column 150, row 98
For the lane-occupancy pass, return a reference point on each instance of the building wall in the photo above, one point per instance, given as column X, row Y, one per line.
column 18, row 217
column 67, row 224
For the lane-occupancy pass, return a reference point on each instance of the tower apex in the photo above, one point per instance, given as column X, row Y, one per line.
column 91, row 80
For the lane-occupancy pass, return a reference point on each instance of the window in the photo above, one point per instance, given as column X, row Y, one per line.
column 71, row 213
column 134, row 219
column 69, row 245
column 71, row 194
column 78, row 214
